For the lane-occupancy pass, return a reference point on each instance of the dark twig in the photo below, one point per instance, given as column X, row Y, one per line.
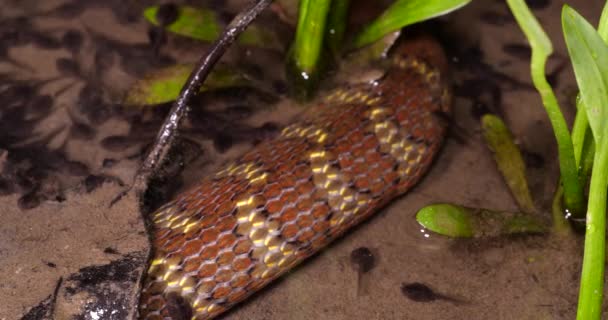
column 167, row 133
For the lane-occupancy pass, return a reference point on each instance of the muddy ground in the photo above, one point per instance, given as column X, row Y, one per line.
column 68, row 146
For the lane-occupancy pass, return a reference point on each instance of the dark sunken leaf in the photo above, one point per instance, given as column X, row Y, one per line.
column 518, row 50
column 419, row 292
column 104, row 59
column 82, row 131
column 92, row 182
column 72, row 40
column 167, row 14
column 108, row 162
column 70, row 10
column 29, row 201
column 116, row 143
column 40, row 104
column 222, row 142
column 538, row 4
column 178, row 308
column 44, row 41
column 76, row 168
column 496, row 19
column 68, row 67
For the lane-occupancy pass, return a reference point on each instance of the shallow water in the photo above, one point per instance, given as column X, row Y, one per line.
column 71, row 145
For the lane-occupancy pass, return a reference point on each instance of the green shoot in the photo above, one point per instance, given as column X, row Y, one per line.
column 589, row 55
column 336, row 25
column 541, row 49
column 303, row 66
column 404, row 13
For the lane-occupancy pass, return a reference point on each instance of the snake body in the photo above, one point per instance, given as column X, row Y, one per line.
column 349, row 154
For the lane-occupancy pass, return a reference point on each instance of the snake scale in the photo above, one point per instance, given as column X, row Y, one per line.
column 350, row 153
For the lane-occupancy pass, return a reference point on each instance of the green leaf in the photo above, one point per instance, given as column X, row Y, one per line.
column 200, row 24
column 462, row 222
column 446, row 219
column 204, row 24
column 589, row 55
column 403, row 13
column 508, row 159
column 165, row 84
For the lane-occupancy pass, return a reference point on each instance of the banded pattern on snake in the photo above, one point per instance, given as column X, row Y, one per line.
column 349, row 154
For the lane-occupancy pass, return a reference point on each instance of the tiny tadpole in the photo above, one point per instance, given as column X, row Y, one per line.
column 362, row 260
column 420, row 292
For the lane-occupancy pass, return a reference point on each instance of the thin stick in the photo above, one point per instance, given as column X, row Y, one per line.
column 167, row 133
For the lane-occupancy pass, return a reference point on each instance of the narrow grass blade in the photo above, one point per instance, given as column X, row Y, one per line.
column 305, row 56
column 336, row 25
column 403, row 13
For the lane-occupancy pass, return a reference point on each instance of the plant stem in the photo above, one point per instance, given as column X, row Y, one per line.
column 560, row 224
column 573, row 192
column 336, row 25
column 579, row 130
column 592, row 275
column 309, row 35
column 574, row 200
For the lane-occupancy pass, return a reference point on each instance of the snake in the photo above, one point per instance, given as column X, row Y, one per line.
column 347, row 155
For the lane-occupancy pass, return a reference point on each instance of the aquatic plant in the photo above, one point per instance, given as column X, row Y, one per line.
column 589, row 56
column 312, row 17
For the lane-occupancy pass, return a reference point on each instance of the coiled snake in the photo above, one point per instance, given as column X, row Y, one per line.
column 349, row 154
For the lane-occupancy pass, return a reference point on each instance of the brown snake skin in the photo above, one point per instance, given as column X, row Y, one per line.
column 352, row 152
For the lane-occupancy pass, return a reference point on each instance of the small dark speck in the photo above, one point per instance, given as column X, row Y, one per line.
column 533, row 159
column 41, row 104
column 267, row 131
column 178, row 308
column 419, row 292
column 108, row 162
column 72, row 40
column 93, row 182
column 29, row 201
column 496, row 19
column 6, row 187
column 363, row 259
column 518, row 50
column 479, row 109
column 157, row 36
column 116, row 143
column 76, row 168
column 222, row 142
column 110, row 250
column 103, row 60
column 68, row 67
column 538, row 4
column 167, row 14
column 51, row 265
column 82, row 131
column 280, row 86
